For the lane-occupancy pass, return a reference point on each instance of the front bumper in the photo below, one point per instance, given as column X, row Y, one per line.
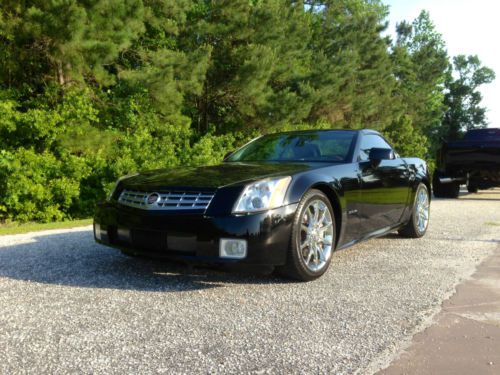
column 195, row 236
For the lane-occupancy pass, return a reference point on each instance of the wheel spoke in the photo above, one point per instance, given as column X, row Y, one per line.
column 321, row 255
column 328, row 240
column 323, row 215
column 316, row 255
column 309, row 256
column 316, row 212
column 325, row 226
column 310, row 215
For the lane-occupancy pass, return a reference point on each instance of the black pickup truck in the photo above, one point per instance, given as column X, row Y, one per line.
column 474, row 161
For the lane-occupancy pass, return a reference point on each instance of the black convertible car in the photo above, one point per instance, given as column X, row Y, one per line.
column 287, row 200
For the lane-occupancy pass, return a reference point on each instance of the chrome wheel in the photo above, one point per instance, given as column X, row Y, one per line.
column 316, row 235
column 422, row 209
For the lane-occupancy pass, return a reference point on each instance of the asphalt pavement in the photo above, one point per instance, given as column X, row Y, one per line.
column 464, row 338
column 68, row 305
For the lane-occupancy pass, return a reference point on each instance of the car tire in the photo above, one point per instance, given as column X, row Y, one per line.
column 417, row 226
column 472, row 188
column 440, row 190
column 312, row 239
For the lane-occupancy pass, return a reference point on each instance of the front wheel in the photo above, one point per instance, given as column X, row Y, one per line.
column 417, row 226
column 312, row 239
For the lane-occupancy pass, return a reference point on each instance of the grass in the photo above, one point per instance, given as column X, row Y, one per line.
column 17, row 228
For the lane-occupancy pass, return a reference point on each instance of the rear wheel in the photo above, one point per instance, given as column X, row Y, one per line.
column 417, row 226
column 313, row 238
column 472, row 188
column 449, row 190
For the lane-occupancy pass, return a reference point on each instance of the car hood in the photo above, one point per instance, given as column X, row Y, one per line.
column 213, row 176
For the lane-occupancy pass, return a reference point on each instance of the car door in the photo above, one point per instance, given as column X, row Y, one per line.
column 384, row 187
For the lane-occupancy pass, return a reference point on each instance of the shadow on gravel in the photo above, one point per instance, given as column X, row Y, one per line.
column 74, row 259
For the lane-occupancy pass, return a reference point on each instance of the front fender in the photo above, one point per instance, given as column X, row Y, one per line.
column 303, row 183
column 336, row 182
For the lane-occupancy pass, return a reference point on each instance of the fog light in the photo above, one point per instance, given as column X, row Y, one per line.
column 97, row 231
column 234, row 249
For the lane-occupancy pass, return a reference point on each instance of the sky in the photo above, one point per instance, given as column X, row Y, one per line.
column 469, row 27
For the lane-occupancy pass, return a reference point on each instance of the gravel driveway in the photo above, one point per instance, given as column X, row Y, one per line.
column 68, row 305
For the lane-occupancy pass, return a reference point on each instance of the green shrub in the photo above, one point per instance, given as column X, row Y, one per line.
column 39, row 186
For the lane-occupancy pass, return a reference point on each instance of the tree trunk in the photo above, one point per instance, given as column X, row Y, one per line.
column 60, row 74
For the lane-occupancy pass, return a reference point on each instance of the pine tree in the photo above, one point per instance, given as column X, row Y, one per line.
column 352, row 72
column 66, row 41
column 258, row 63
column 158, row 63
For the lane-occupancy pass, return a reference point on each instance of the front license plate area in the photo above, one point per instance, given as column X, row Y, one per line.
column 182, row 242
column 149, row 240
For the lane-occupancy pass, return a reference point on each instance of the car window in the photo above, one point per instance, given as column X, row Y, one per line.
column 370, row 141
column 321, row 146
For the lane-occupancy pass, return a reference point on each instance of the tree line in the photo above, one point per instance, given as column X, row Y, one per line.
column 91, row 90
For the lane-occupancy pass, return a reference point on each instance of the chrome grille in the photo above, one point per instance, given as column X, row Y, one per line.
column 168, row 200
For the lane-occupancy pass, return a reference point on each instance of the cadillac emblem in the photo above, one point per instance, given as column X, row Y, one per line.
column 153, row 198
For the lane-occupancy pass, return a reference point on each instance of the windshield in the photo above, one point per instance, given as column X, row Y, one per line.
column 321, row 146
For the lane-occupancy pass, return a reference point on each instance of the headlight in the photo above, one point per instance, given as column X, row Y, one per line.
column 262, row 195
column 118, row 182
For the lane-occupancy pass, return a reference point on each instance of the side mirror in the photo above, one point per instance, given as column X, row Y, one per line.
column 228, row 154
column 379, row 154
